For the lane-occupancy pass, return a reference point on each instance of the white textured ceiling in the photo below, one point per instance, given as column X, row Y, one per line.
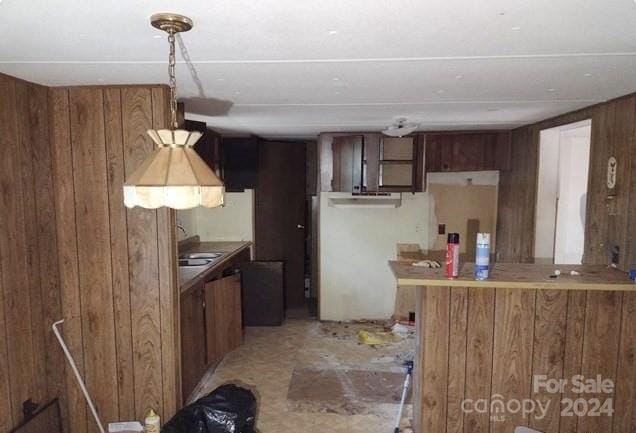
column 293, row 68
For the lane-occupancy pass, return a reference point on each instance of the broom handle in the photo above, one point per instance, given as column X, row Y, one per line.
column 71, row 361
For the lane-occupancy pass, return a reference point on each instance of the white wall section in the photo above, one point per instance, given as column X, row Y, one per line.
column 355, row 247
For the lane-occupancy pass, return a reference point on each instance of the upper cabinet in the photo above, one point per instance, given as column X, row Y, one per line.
column 371, row 163
column 240, row 163
column 208, row 146
column 347, row 163
column 467, row 151
column 399, row 164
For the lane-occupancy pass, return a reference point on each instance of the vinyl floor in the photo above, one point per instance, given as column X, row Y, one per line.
column 316, row 377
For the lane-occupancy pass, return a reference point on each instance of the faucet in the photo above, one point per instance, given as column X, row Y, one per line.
column 180, row 227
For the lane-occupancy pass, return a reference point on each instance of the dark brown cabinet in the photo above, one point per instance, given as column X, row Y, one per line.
column 193, row 348
column 208, row 147
column 223, row 323
column 240, row 163
column 211, row 327
column 373, row 163
column 467, row 151
column 347, row 163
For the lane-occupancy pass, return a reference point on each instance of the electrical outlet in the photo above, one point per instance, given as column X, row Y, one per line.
column 441, row 229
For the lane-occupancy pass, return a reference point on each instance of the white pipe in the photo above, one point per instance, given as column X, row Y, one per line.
column 71, row 361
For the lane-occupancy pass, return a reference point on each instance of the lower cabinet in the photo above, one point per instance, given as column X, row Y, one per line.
column 211, row 327
column 223, row 323
column 193, row 353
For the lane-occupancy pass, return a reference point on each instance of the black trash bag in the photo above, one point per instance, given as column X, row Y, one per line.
column 227, row 409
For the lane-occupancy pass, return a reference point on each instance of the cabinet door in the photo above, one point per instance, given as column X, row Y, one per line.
column 208, row 147
column 240, row 163
column 224, row 327
column 193, row 352
column 467, row 151
column 347, row 163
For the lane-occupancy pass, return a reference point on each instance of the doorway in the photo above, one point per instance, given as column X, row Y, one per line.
column 564, row 158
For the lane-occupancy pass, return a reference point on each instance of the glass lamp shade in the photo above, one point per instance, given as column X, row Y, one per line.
column 173, row 175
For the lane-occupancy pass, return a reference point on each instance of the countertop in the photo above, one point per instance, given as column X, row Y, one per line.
column 231, row 249
column 518, row 275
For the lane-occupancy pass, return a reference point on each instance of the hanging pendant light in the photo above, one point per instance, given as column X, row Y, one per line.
column 173, row 175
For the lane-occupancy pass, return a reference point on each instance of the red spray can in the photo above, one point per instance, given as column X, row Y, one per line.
column 452, row 255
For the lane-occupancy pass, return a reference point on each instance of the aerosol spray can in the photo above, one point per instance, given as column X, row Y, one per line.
column 452, row 255
column 482, row 256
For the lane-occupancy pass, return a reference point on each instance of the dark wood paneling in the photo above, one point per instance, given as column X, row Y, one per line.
column 31, row 365
column 143, row 261
column 513, row 348
column 549, row 340
column 595, row 220
column 625, row 419
column 607, row 217
column 601, row 349
column 47, row 243
column 623, row 147
column 119, row 252
column 65, row 253
column 14, row 252
column 457, row 360
column 168, row 278
column 436, row 314
column 117, row 266
column 512, row 337
column 516, row 204
column 93, row 248
column 573, row 350
column 67, row 249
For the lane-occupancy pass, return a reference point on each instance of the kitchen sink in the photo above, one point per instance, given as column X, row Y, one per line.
column 201, row 256
column 194, row 262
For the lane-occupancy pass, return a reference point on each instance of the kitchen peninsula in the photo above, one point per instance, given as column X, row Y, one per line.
column 498, row 341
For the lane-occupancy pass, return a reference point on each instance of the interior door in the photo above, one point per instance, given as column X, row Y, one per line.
column 279, row 218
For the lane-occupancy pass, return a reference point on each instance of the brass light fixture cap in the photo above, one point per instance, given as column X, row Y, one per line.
column 171, row 23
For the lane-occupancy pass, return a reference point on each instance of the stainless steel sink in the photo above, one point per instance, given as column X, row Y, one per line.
column 206, row 256
column 194, row 262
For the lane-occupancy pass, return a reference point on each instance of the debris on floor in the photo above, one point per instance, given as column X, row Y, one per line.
column 279, row 364
column 343, row 391
column 378, row 338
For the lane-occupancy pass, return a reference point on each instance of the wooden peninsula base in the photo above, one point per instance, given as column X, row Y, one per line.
column 524, row 349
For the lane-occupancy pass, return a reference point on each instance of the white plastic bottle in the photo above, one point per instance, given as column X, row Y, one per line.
column 152, row 423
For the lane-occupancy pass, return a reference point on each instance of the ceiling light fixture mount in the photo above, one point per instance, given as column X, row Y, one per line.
column 171, row 23
column 173, row 175
column 400, row 128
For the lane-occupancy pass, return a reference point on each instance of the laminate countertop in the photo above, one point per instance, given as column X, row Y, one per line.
column 187, row 278
column 518, row 275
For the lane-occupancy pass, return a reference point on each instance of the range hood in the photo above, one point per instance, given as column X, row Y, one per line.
column 365, row 200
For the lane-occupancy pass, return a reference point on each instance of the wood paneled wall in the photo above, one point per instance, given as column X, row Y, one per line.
column 608, row 219
column 117, row 278
column 477, row 343
column 31, row 363
column 70, row 249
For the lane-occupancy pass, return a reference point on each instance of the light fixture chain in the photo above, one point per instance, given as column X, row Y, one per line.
column 172, row 61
